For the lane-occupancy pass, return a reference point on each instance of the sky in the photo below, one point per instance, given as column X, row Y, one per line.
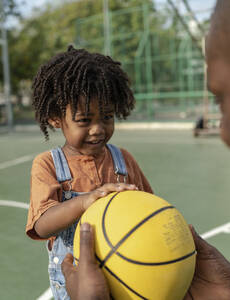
column 27, row 8
column 204, row 7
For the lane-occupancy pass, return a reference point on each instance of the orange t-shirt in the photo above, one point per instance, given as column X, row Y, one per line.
column 88, row 174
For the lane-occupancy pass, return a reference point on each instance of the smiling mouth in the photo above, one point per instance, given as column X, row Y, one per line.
column 97, row 142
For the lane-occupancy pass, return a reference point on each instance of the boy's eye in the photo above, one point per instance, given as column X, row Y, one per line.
column 84, row 120
column 108, row 117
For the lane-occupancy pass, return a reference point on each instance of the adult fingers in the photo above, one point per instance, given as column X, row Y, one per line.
column 86, row 244
column 202, row 246
column 67, row 264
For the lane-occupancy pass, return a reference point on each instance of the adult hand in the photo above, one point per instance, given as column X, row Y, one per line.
column 212, row 274
column 86, row 281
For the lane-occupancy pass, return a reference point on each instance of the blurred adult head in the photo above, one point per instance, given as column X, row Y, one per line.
column 218, row 61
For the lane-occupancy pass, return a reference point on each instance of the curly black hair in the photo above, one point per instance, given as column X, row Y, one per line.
column 74, row 73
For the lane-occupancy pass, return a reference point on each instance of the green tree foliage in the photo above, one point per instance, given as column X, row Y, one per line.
column 8, row 10
column 141, row 37
column 51, row 29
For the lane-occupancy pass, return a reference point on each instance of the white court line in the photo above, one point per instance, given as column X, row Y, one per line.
column 14, row 204
column 156, row 125
column 47, row 295
column 221, row 229
column 16, row 161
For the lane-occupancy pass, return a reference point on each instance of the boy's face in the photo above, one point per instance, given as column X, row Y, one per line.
column 218, row 61
column 87, row 135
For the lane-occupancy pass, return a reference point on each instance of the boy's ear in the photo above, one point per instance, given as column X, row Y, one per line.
column 56, row 123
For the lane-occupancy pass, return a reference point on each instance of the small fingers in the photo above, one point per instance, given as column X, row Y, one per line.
column 116, row 187
column 125, row 186
column 105, row 190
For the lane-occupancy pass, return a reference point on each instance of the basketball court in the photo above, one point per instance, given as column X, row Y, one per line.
column 192, row 174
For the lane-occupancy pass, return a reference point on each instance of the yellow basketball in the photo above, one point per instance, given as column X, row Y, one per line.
column 143, row 245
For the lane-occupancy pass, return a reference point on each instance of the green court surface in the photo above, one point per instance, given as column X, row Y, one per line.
column 192, row 174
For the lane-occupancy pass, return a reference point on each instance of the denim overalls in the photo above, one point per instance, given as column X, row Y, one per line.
column 64, row 240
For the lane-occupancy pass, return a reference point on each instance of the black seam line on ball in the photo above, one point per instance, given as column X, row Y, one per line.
column 122, row 282
column 157, row 263
column 190, row 294
column 97, row 258
column 114, row 248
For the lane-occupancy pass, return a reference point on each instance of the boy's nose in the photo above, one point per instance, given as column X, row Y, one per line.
column 96, row 129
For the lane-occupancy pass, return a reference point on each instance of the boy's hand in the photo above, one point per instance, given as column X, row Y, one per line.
column 102, row 191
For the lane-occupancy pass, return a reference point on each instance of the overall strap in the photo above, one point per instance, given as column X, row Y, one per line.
column 118, row 161
column 61, row 165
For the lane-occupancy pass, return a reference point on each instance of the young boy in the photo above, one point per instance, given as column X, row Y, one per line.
column 80, row 93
